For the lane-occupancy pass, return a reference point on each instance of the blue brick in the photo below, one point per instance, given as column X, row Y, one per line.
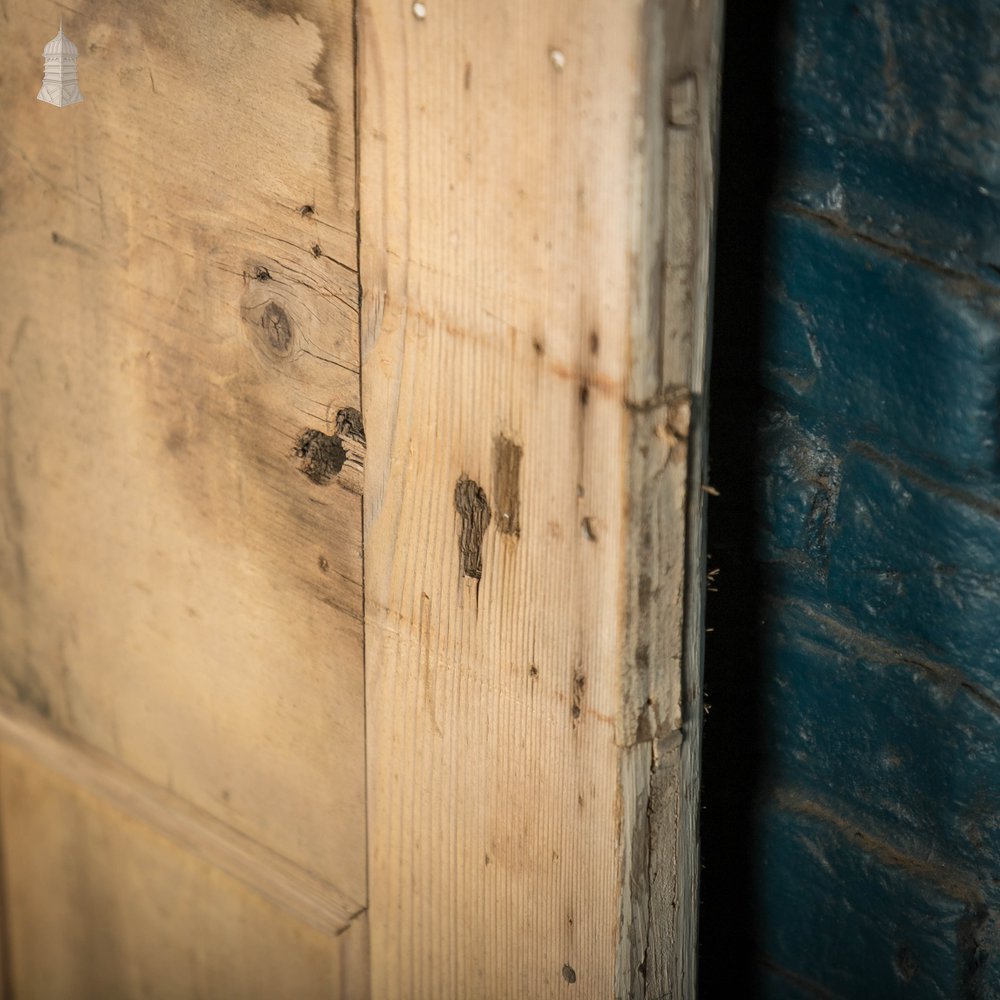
column 880, row 664
column 918, row 565
column 893, row 742
column 797, row 492
column 918, row 76
column 889, row 352
column 917, row 208
column 889, row 124
column 859, row 920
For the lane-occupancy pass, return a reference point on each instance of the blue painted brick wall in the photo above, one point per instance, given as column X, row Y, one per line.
column 890, row 352
column 874, row 923
column 876, row 851
column 887, row 740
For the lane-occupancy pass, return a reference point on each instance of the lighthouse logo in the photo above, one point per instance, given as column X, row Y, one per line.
column 60, row 86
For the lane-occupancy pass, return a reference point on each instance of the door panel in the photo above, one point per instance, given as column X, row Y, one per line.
column 229, row 633
column 109, row 907
column 176, row 590
column 180, row 556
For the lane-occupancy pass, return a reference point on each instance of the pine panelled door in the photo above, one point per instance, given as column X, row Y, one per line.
column 352, row 370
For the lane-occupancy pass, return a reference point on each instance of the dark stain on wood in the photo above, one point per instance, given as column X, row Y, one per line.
column 322, row 456
column 474, row 511
column 506, row 484
column 349, row 424
column 323, row 93
column 62, row 241
column 277, row 329
column 321, row 101
column 271, row 329
column 579, row 687
column 272, row 8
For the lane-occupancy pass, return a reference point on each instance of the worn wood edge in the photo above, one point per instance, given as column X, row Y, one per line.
column 658, row 749
column 673, row 219
column 661, row 721
column 292, row 889
column 693, row 662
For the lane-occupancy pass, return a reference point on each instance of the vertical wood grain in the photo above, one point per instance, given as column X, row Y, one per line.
column 107, row 908
column 180, row 518
column 181, row 463
column 536, row 185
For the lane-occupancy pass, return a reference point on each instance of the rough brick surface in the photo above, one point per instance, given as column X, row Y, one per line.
column 797, row 493
column 919, row 565
column 889, row 351
column 875, row 645
column 894, row 123
column 841, row 909
column 897, row 743
column 919, row 76
column 922, row 211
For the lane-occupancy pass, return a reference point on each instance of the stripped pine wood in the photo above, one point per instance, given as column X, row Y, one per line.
column 180, row 574
column 536, row 197
column 352, row 435
column 182, row 783
column 107, row 908
column 287, row 886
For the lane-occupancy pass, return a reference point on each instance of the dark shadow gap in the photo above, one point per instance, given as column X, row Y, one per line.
column 734, row 732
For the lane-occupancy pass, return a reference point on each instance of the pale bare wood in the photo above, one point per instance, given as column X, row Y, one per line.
column 182, row 578
column 287, row 886
column 108, row 908
column 536, row 203
column 180, row 560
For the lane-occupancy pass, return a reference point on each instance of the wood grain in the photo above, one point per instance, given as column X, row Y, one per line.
column 303, row 896
column 180, row 559
column 195, row 452
column 107, row 908
column 536, row 191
